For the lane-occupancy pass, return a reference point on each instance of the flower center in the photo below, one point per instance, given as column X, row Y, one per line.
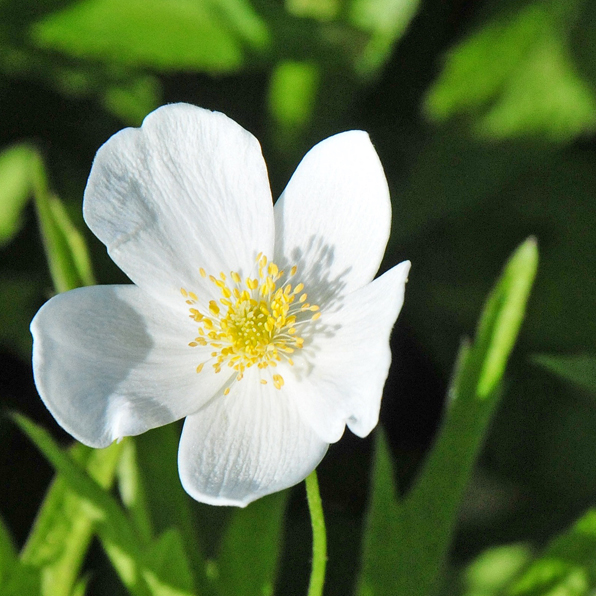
column 255, row 322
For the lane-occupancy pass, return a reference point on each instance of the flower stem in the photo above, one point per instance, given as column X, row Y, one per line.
column 319, row 536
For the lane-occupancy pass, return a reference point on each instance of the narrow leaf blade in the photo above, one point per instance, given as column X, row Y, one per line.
column 426, row 519
column 63, row 529
column 383, row 524
column 15, row 188
column 251, row 547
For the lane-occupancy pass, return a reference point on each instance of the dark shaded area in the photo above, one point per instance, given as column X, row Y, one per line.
column 461, row 205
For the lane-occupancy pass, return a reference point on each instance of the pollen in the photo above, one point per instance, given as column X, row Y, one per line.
column 257, row 320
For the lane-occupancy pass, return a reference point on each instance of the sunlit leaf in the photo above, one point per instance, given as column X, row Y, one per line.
column 132, row 491
column 292, row 98
column 495, row 568
column 62, row 532
column 66, row 251
column 133, row 99
column 385, row 21
column 515, row 78
column 23, row 579
column 80, row 588
column 112, row 524
column 423, row 523
column 166, row 34
column 15, row 188
column 322, row 10
column 503, row 315
column 580, row 369
column 566, row 567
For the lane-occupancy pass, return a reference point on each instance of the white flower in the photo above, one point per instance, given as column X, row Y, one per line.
column 260, row 325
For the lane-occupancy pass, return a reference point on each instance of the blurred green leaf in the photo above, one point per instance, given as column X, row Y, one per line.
column 423, row 523
column 132, row 491
column 292, row 98
column 134, row 562
column 495, row 568
column 580, row 369
column 567, row 566
column 80, row 588
column 15, row 188
column 132, row 99
column 24, row 579
column 165, row 34
column 168, row 505
column 117, row 533
column 515, row 78
column 66, row 251
column 63, row 529
column 385, row 21
column 322, row 10
column 168, row 570
column 8, row 555
column 382, row 526
column 251, row 546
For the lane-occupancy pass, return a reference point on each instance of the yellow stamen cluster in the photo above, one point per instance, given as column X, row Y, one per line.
column 255, row 322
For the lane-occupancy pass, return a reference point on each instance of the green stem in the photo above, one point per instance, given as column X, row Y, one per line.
column 319, row 536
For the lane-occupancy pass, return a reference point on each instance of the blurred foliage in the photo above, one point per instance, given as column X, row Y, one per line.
column 580, row 369
column 531, row 87
column 407, row 540
column 483, row 114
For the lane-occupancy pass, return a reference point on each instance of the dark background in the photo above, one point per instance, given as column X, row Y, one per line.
column 485, row 129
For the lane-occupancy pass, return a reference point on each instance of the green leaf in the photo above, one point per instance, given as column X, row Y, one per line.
column 132, row 491
column 15, row 188
column 64, row 527
column 166, row 34
column 24, row 579
column 168, row 570
column 250, row 549
column 66, row 251
column 8, row 555
column 169, row 506
column 382, row 525
column 580, row 369
column 81, row 587
column 292, row 99
column 321, row 10
column 132, row 99
column 514, row 77
column 503, row 315
column 423, row 523
column 495, row 569
column 566, row 567
column 385, row 21
column 118, row 535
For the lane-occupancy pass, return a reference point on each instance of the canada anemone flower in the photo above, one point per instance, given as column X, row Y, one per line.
column 260, row 325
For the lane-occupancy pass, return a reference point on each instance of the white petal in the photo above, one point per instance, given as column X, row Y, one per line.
column 340, row 377
column 333, row 219
column 245, row 445
column 110, row 361
column 187, row 190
